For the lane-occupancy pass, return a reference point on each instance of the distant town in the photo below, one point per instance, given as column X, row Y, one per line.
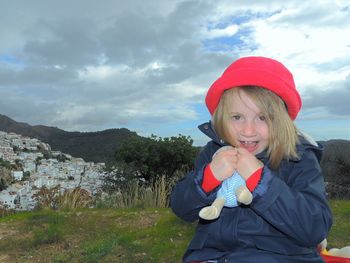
column 42, row 167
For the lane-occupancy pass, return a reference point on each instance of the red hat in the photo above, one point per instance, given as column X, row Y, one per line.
column 257, row 71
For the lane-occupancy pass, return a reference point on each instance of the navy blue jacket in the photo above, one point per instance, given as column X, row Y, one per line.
column 288, row 218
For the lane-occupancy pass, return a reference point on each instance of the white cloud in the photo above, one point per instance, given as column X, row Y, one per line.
column 228, row 31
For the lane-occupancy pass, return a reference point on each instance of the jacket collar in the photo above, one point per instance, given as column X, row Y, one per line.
column 208, row 129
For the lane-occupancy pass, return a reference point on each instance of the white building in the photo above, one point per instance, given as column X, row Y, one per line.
column 17, row 175
column 72, row 173
column 8, row 199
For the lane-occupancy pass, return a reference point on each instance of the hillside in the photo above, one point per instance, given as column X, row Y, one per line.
column 91, row 146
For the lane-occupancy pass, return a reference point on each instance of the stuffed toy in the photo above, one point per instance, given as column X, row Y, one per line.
column 232, row 192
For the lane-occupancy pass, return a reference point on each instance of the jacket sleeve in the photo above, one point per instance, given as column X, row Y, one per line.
column 187, row 196
column 297, row 204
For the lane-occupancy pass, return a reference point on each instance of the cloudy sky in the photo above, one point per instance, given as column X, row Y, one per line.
column 88, row 65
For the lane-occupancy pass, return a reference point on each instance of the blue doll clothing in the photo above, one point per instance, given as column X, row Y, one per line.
column 228, row 189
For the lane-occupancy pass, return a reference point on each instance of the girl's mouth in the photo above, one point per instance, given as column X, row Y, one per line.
column 250, row 146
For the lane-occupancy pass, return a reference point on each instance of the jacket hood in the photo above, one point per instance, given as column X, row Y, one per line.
column 308, row 143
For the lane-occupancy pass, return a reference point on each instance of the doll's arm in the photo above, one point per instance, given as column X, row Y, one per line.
column 213, row 211
column 243, row 195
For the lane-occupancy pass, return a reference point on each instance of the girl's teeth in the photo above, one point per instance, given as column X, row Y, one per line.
column 248, row 142
column 251, row 146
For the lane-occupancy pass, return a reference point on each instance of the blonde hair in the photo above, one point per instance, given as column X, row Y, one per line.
column 283, row 135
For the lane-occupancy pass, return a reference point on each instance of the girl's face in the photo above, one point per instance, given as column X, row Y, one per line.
column 247, row 125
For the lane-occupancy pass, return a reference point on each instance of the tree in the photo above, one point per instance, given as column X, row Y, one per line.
column 119, row 177
column 335, row 165
column 4, row 163
column 154, row 156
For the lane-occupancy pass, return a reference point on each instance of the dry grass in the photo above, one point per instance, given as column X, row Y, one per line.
column 55, row 198
column 136, row 195
column 75, row 198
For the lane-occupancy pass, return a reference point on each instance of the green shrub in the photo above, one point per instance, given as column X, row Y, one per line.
column 50, row 230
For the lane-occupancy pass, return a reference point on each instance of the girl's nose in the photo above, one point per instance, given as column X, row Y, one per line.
column 248, row 129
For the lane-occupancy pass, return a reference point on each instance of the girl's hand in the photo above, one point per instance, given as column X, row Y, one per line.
column 224, row 162
column 247, row 163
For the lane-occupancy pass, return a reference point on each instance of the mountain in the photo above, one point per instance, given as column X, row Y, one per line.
column 91, row 146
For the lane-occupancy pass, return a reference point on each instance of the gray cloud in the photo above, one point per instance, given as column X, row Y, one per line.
column 87, row 65
column 326, row 13
column 57, row 45
column 70, row 42
column 335, row 99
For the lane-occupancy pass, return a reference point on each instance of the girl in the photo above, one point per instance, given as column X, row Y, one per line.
column 253, row 105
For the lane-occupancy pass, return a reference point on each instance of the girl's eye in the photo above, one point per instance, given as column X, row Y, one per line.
column 262, row 118
column 236, row 117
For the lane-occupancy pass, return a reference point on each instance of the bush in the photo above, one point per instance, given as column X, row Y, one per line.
column 52, row 232
column 156, row 156
column 335, row 165
column 119, row 177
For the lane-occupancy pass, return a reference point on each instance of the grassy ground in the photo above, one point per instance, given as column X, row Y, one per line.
column 114, row 235
column 94, row 235
column 340, row 232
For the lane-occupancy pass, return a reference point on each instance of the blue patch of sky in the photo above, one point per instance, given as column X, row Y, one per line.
column 237, row 40
column 7, row 58
column 325, row 129
column 228, row 43
column 233, row 20
column 187, row 127
column 345, row 8
column 222, row 43
column 241, row 19
column 10, row 60
column 334, row 64
column 201, row 109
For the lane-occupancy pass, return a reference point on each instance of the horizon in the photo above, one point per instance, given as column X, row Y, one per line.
column 335, row 139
